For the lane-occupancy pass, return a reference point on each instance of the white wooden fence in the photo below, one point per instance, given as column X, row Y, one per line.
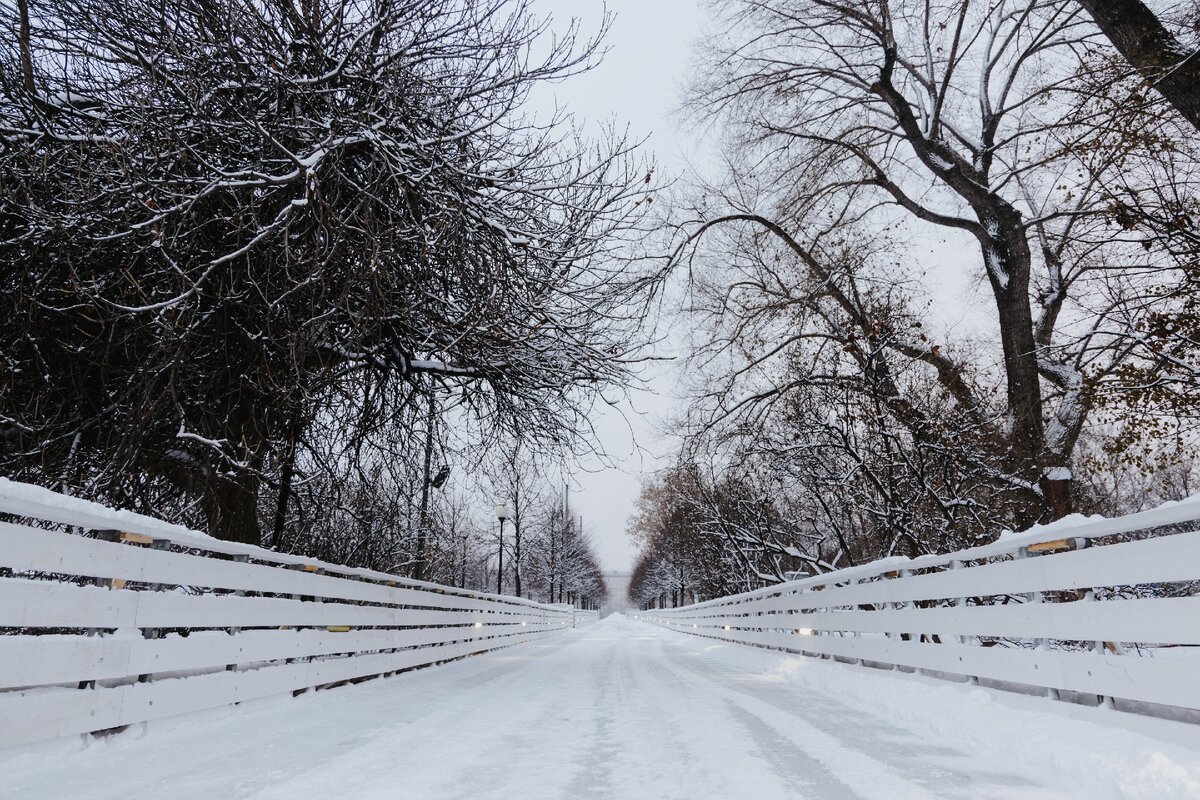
column 138, row 620
column 1099, row 608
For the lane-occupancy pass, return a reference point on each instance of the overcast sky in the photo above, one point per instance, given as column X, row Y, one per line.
column 638, row 85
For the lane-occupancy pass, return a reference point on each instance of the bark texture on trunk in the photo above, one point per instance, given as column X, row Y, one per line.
column 1058, row 496
column 1153, row 51
column 26, row 47
column 1009, row 279
column 285, row 481
column 231, row 506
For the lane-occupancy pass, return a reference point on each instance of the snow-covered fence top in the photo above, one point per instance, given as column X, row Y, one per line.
column 1099, row 607
column 136, row 620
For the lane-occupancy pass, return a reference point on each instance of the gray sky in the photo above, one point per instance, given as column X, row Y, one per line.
column 638, row 85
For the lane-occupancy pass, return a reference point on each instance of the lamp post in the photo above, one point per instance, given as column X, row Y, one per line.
column 501, row 514
column 462, row 582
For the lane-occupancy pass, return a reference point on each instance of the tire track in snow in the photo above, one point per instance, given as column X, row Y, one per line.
column 860, row 773
column 666, row 745
column 840, row 737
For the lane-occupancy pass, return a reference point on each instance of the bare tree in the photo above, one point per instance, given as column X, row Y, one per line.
column 1166, row 64
column 858, row 122
column 256, row 235
column 562, row 563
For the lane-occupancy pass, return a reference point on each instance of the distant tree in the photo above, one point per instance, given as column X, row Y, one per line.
column 562, row 562
column 519, row 482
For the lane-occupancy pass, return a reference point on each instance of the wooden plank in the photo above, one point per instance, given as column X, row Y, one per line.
column 27, row 661
column 1173, row 620
column 1172, row 514
column 23, row 603
column 38, row 503
column 1164, row 559
column 47, row 714
column 1046, row 547
column 24, row 548
column 26, row 603
column 1153, row 680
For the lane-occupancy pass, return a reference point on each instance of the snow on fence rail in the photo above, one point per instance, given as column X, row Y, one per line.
column 1104, row 607
column 122, row 619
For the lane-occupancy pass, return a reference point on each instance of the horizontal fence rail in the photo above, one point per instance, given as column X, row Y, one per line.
column 1109, row 608
column 582, row 616
column 123, row 619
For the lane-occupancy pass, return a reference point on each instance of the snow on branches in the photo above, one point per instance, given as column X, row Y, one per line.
column 228, row 225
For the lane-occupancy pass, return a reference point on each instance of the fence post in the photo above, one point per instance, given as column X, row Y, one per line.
column 1042, row 644
column 913, row 636
column 856, row 634
column 153, row 633
column 239, row 593
column 961, row 602
column 1098, row 648
column 104, row 536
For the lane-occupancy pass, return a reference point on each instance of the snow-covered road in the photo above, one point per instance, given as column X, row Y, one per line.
column 622, row 709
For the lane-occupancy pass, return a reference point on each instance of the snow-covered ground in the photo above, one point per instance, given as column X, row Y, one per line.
column 622, row 709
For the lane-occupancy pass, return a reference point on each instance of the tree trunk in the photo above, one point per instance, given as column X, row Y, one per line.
column 26, row 47
column 1020, row 365
column 1151, row 49
column 1008, row 262
column 1029, row 458
column 231, row 508
column 517, row 555
column 1057, row 492
column 285, row 481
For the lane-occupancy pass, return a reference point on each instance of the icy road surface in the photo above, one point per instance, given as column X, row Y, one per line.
column 622, row 709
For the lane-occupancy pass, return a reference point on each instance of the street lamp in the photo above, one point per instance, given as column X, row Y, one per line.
column 501, row 514
column 462, row 582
